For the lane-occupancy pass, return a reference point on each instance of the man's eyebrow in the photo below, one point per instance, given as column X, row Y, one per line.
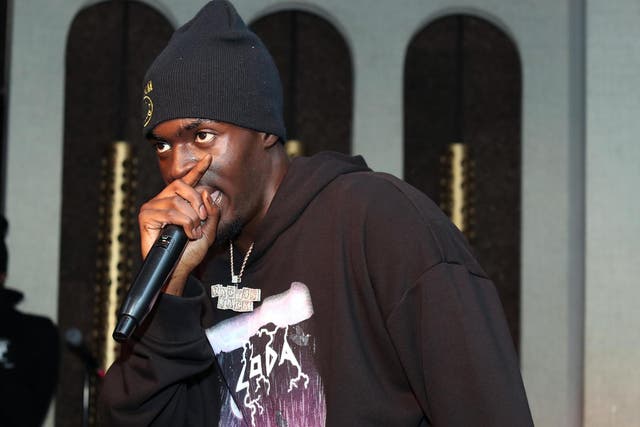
column 153, row 136
column 193, row 124
column 197, row 122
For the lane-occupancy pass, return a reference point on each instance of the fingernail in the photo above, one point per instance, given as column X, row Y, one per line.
column 203, row 211
column 216, row 197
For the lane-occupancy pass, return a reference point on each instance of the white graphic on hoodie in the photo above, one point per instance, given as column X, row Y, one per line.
column 267, row 360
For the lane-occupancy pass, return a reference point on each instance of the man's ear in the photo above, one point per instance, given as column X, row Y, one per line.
column 269, row 140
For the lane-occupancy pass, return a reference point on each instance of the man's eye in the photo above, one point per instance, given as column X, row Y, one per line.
column 162, row 147
column 204, row 137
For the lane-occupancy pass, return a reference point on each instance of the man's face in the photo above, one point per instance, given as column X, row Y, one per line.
column 238, row 170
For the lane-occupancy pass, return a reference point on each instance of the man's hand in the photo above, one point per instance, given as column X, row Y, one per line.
column 182, row 203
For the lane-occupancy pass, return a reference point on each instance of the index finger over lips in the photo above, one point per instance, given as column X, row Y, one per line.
column 193, row 176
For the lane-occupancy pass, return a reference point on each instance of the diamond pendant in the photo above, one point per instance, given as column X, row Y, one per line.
column 231, row 297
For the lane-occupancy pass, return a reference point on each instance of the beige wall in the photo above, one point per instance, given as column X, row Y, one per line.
column 612, row 322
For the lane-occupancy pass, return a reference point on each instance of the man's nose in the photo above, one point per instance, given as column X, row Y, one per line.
column 184, row 159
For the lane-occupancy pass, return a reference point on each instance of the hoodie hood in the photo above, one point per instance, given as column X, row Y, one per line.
column 305, row 178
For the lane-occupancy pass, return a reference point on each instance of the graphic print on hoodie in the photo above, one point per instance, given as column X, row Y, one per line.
column 266, row 358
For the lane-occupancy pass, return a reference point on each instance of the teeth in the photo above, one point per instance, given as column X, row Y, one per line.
column 216, row 197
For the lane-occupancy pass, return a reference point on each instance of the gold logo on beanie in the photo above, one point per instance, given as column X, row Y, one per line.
column 148, row 88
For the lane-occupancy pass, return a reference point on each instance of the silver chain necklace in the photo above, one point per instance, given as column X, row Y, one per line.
column 237, row 279
column 231, row 297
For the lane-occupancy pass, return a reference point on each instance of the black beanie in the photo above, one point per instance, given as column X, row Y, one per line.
column 215, row 68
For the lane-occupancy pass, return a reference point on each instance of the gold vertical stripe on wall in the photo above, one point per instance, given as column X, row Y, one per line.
column 122, row 154
column 294, row 148
column 457, row 187
column 458, row 154
column 115, row 248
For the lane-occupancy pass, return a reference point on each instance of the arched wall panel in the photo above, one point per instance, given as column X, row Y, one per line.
column 463, row 85
column 315, row 68
column 109, row 47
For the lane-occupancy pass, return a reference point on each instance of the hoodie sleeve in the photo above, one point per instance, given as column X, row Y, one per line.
column 453, row 342
column 167, row 376
column 443, row 315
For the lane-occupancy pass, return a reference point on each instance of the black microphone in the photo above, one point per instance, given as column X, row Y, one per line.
column 153, row 274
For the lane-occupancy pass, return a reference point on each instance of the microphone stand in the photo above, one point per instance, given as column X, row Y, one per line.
column 76, row 344
column 85, row 397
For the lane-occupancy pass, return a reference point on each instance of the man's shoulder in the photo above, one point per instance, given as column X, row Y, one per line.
column 379, row 188
column 400, row 213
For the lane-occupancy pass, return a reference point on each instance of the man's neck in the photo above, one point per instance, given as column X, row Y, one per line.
column 278, row 170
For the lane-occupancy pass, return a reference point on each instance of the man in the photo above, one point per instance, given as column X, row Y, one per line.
column 311, row 293
column 28, row 356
